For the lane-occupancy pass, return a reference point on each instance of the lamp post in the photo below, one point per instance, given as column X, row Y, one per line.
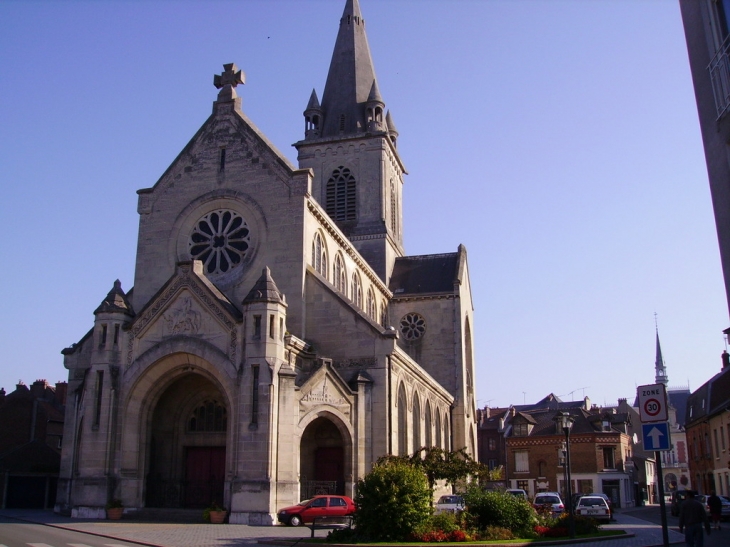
column 565, row 422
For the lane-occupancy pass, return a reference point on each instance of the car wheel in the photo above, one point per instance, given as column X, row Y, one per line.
column 295, row 521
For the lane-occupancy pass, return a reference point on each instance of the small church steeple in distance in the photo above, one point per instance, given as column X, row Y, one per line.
column 661, row 370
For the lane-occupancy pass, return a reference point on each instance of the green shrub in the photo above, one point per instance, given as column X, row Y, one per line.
column 495, row 533
column 446, row 522
column 499, row 509
column 392, row 501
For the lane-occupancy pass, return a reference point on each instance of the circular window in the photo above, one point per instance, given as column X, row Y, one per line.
column 220, row 240
column 412, row 326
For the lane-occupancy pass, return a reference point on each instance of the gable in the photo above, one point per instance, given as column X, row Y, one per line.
column 325, row 389
column 188, row 305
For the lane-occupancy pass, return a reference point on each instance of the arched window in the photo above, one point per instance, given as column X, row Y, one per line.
column 340, row 200
column 372, row 309
column 356, row 290
column 208, row 416
column 416, row 423
column 439, row 433
column 339, row 280
column 402, row 422
column 319, row 255
column 428, row 438
column 393, row 208
column 447, row 433
column 383, row 314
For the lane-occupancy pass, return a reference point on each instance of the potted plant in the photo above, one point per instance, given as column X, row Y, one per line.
column 114, row 509
column 214, row 513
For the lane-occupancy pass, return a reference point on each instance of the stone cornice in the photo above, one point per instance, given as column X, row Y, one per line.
column 345, row 246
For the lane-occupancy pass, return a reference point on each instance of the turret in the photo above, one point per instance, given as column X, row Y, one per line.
column 312, row 117
column 374, row 110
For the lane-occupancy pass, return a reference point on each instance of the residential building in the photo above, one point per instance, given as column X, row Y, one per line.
column 31, row 432
column 708, row 433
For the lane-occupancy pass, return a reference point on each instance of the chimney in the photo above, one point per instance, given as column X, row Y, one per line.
column 2, row 395
column 61, row 392
column 38, row 389
column 725, row 360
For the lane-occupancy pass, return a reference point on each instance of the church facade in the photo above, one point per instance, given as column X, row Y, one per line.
column 277, row 340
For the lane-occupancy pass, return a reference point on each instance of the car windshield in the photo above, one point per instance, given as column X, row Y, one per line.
column 305, row 502
column 547, row 499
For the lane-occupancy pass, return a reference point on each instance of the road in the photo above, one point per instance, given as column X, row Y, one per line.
column 651, row 513
column 14, row 533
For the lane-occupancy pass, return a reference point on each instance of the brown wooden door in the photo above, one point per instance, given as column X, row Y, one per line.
column 329, row 463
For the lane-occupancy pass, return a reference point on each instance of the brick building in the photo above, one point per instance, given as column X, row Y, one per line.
column 708, row 433
column 31, row 430
column 527, row 442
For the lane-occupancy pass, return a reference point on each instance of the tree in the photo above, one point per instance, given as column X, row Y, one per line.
column 392, row 501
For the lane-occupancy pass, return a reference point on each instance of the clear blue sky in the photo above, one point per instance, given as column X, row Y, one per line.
column 557, row 140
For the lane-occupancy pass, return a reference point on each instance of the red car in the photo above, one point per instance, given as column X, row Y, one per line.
column 318, row 506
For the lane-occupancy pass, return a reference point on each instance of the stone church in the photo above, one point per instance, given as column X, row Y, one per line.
column 277, row 340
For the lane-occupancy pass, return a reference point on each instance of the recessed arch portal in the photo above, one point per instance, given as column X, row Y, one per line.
column 324, row 457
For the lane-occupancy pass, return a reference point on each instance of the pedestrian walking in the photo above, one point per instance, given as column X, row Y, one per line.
column 715, row 505
column 692, row 518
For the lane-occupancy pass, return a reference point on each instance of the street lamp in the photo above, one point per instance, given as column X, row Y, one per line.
column 565, row 421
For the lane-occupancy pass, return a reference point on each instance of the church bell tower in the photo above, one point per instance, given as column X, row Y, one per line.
column 350, row 143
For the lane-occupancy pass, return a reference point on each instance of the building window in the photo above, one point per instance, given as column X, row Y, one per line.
column 523, row 485
column 339, row 275
column 220, row 240
column 319, row 255
column 522, row 462
column 272, row 322
column 209, row 416
column 717, row 446
column 383, row 314
column 521, row 430
column 356, row 290
column 585, row 486
column 606, row 425
column 116, row 335
column 371, row 304
column 492, row 442
column 257, row 326
column 99, row 392
column 341, row 195
column 255, row 396
column 412, row 326
column 609, row 461
column 393, row 208
column 102, row 342
column 492, row 464
column 541, row 465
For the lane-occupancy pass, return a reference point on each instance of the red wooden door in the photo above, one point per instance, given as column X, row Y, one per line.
column 204, row 475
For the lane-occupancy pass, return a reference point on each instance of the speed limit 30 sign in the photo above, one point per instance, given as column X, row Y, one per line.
column 652, row 403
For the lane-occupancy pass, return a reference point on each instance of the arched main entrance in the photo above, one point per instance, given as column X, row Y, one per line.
column 187, row 445
column 323, row 459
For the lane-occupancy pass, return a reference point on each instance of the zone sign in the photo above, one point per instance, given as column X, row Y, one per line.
column 652, row 403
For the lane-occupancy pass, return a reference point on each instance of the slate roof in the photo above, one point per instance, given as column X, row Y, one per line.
column 424, row 274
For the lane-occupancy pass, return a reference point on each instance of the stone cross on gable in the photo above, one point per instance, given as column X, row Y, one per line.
column 230, row 76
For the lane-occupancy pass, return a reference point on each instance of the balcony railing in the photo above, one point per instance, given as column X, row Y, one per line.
column 719, row 69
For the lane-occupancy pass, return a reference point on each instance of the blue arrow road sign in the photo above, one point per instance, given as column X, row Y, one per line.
column 656, row 436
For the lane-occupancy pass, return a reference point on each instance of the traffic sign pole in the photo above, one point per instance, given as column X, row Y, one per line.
column 662, row 503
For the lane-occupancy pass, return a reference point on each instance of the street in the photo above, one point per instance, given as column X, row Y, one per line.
column 651, row 513
column 14, row 533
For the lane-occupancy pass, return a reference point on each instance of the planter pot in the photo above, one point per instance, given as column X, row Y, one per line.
column 114, row 513
column 217, row 517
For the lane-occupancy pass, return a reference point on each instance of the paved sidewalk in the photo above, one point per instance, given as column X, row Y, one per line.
column 645, row 534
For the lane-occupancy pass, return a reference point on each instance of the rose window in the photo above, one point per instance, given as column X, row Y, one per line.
column 220, row 240
column 412, row 326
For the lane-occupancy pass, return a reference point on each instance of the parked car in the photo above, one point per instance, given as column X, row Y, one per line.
column 449, row 504
column 318, row 506
column 551, row 500
column 725, row 511
column 519, row 492
column 593, row 506
column 677, row 498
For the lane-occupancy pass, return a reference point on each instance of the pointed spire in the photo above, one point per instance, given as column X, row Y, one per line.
column 661, row 371
column 392, row 129
column 115, row 301
column 374, row 95
column 350, row 78
column 264, row 290
column 313, row 103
